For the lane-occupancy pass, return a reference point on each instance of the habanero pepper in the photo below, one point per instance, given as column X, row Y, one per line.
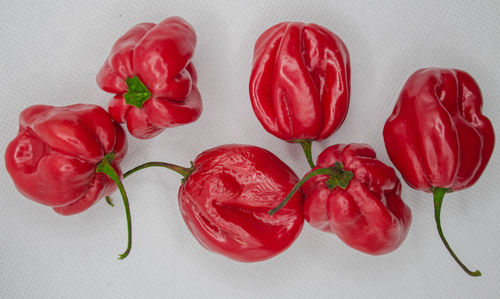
column 355, row 196
column 224, row 198
column 437, row 136
column 68, row 158
column 150, row 71
column 300, row 83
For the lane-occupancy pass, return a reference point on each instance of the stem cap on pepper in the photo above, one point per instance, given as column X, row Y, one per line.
column 137, row 92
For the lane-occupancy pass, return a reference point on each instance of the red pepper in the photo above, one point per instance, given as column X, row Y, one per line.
column 225, row 196
column 150, row 71
column 437, row 137
column 68, row 157
column 355, row 196
column 300, row 82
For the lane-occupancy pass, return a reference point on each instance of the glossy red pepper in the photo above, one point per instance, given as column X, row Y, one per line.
column 225, row 196
column 300, row 82
column 437, row 137
column 150, row 71
column 355, row 196
column 68, row 157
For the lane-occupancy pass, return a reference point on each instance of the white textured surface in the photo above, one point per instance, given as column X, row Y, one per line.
column 50, row 52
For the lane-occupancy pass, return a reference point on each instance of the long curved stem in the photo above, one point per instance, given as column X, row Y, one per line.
column 306, row 146
column 106, row 168
column 184, row 171
column 438, row 202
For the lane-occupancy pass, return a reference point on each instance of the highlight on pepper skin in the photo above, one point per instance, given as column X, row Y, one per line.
column 150, row 71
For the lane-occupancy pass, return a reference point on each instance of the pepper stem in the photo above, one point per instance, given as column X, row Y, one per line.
column 438, row 202
column 105, row 167
column 306, row 146
column 184, row 171
column 137, row 93
column 339, row 177
column 110, row 201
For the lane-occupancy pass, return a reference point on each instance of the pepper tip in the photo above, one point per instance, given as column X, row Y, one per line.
column 476, row 273
column 122, row 256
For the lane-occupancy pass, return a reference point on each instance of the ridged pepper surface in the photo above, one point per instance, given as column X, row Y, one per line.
column 300, row 82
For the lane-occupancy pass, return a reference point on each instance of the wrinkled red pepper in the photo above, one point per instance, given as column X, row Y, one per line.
column 437, row 136
column 150, row 71
column 68, row 157
column 355, row 196
column 300, row 82
column 225, row 196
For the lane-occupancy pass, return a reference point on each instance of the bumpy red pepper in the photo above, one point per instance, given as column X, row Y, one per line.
column 225, row 196
column 150, row 71
column 300, row 82
column 68, row 157
column 355, row 196
column 437, row 137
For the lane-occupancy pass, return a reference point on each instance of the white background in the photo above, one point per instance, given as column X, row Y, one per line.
column 50, row 52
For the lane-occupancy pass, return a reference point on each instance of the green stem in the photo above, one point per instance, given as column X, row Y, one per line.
column 438, row 202
column 106, row 168
column 110, row 201
column 306, row 146
column 184, row 171
column 338, row 178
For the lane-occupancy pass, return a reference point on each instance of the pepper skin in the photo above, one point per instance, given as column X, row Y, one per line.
column 437, row 137
column 368, row 215
column 300, row 82
column 150, row 71
column 225, row 196
column 54, row 157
